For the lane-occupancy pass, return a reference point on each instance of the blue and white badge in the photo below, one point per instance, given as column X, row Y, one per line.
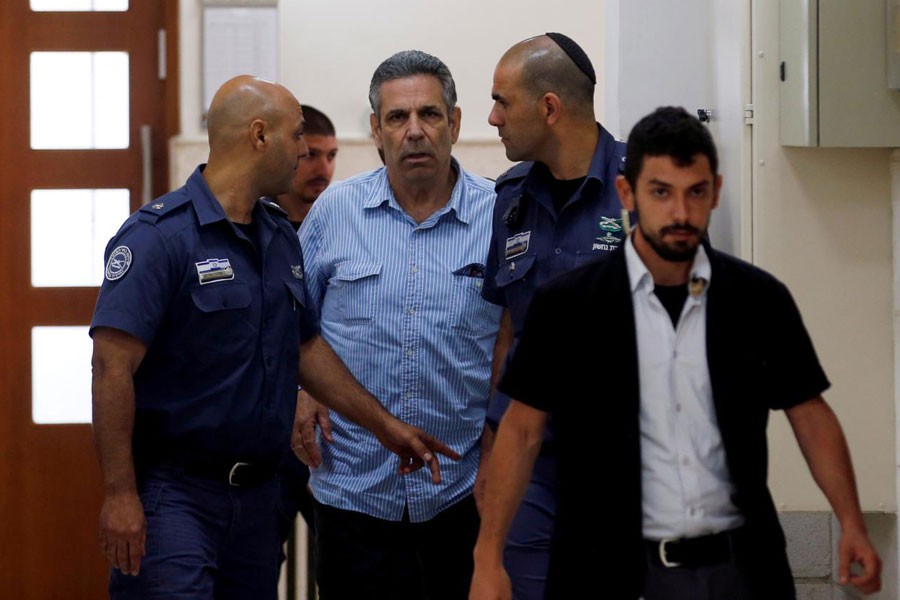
column 214, row 269
column 118, row 263
column 517, row 244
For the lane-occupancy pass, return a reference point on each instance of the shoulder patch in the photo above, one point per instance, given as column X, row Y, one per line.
column 162, row 206
column 118, row 263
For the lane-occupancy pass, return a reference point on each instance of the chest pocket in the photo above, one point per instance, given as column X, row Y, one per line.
column 470, row 313
column 355, row 287
column 297, row 292
column 224, row 319
column 514, row 271
column 221, row 297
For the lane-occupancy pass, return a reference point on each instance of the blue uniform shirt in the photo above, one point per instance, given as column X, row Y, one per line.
column 401, row 305
column 532, row 243
column 222, row 319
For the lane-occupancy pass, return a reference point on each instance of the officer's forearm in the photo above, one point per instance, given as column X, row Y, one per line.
column 515, row 449
column 328, row 380
column 113, row 414
column 501, row 348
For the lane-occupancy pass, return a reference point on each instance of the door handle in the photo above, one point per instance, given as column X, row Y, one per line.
column 146, row 164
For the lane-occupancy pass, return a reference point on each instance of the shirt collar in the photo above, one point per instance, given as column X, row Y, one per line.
column 208, row 208
column 640, row 278
column 603, row 151
column 383, row 194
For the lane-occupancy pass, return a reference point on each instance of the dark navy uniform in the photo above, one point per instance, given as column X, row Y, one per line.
column 533, row 243
column 222, row 313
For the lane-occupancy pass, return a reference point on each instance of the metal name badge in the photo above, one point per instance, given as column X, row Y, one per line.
column 517, row 244
column 214, row 269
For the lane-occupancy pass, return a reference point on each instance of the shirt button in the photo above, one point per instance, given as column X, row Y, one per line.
column 409, row 352
column 677, row 407
column 557, row 251
column 685, row 461
column 414, row 269
column 411, row 311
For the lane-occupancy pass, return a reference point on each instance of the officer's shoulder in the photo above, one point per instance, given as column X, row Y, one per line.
column 274, row 209
column 514, row 174
column 164, row 207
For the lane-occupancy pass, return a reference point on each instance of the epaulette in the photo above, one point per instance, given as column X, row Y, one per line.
column 519, row 171
column 161, row 207
column 273, row 208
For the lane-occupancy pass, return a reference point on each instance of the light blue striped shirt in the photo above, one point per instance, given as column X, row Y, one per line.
column 401, row 305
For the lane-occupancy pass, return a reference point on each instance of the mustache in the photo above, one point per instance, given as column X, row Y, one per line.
column 679, row 229
column 412, row 150
column 319, row 180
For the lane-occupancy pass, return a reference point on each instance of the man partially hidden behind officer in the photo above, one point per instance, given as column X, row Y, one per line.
column 201, row 329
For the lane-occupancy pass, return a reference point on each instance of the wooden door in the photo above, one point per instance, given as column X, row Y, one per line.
column 50, row 485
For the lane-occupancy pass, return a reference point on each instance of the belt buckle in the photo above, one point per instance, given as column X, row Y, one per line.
column 662, row 553
column 233, row 471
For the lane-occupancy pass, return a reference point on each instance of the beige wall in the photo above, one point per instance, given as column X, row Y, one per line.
column 328, row 56
column 822, row 224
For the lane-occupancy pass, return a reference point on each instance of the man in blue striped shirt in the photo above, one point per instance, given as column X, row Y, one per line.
column 395, row 263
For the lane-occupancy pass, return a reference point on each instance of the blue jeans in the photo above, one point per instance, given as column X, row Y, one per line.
column 205, row 540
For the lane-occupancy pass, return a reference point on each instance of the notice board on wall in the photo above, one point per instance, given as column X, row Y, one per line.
column 238, row 39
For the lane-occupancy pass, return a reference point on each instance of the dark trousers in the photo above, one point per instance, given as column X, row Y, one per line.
column 723, row 581
column 205, row 540
column 527, row 553
column 361, row 557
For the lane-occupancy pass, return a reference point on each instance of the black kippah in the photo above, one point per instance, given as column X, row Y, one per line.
column 575, row 52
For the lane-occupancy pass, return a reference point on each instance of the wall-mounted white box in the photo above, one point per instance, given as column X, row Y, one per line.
column 834, row 68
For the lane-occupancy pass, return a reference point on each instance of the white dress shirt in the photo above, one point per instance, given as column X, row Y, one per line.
column 685, row 481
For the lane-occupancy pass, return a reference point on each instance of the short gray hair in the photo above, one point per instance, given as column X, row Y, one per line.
column 409, row 63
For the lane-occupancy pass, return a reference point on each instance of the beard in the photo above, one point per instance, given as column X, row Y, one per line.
column 682, row 251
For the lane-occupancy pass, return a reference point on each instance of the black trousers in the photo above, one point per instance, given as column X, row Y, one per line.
column 361, row 557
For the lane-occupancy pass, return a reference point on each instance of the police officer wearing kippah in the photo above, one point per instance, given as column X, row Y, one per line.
column 555, row 211
column 197, row 350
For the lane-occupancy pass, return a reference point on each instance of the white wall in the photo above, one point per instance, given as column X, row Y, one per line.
column 685, row 65
column 329, row 51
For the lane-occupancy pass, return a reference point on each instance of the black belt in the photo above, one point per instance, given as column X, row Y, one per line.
column 702, row 551
column 237, row 474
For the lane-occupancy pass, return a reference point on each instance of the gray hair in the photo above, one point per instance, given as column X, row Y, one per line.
column 409, row 63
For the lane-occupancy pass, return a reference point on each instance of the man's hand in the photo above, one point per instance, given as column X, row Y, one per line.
column 855, row 547
column 490, row 584
column 123, row 531
column 414, row 447
column 307, row 416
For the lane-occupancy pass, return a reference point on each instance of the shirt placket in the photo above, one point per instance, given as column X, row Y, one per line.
column 685, row 411
column 410, row 334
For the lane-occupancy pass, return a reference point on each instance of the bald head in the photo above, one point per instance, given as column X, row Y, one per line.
column 241, row 101
column 255, row 136
column 545, row 67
